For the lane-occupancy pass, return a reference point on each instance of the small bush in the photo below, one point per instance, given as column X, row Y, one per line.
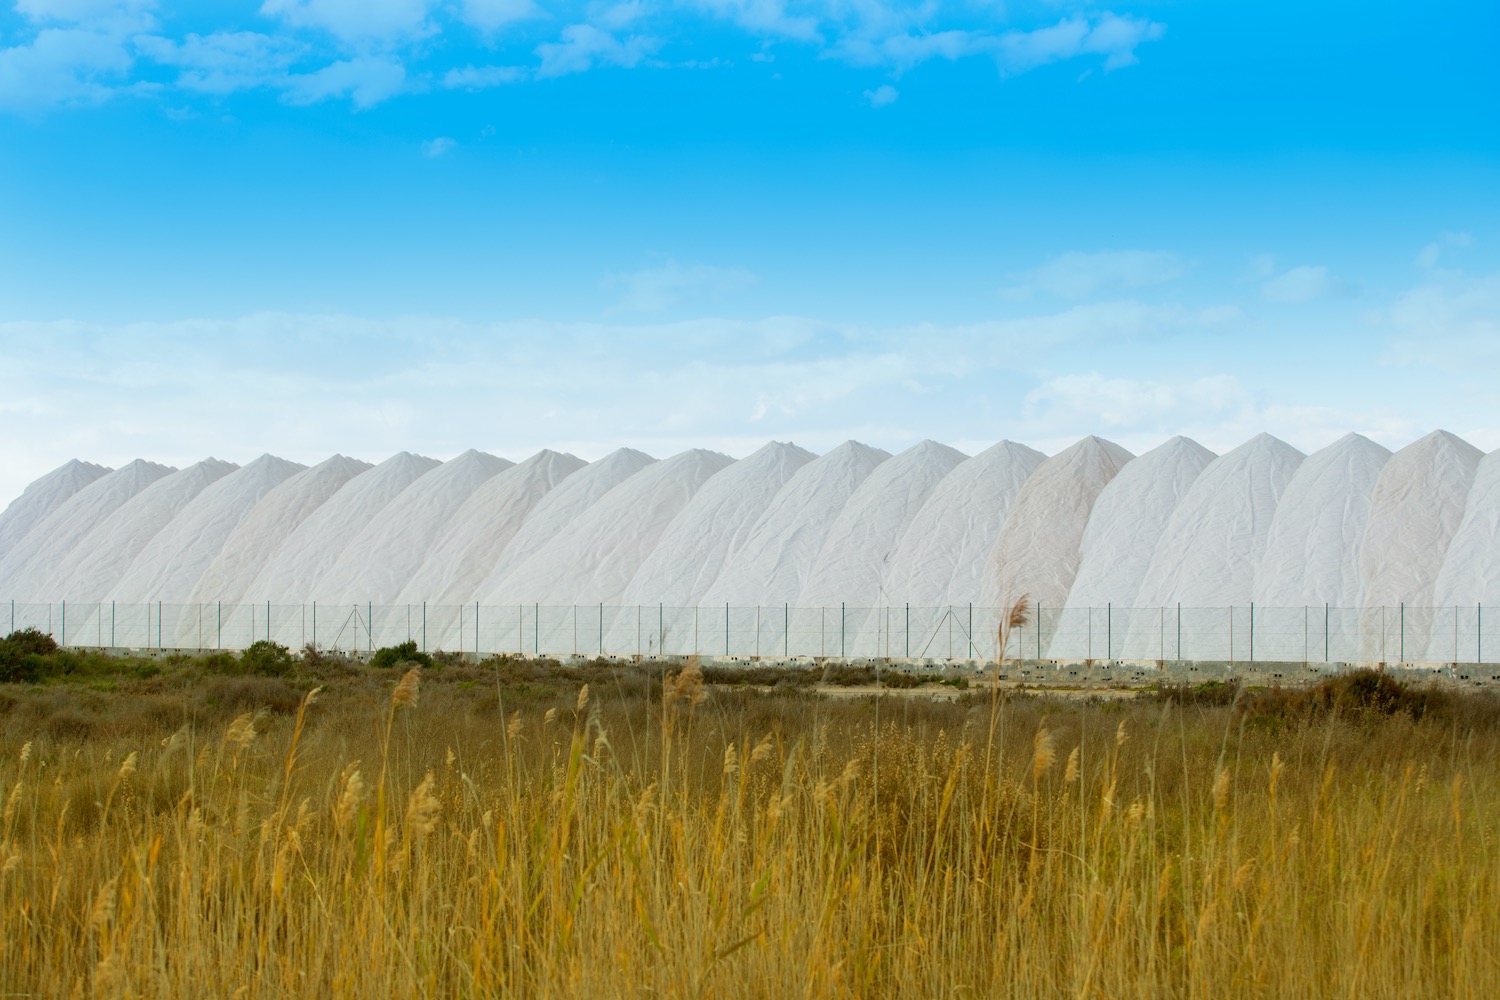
column 266, row 658
column 387, row 657
column 25, row 656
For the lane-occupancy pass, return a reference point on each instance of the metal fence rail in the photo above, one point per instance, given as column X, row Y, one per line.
column 1249, row 634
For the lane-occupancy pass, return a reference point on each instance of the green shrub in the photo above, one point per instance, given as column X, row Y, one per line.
column 266, row 658
column 387, row 657
column 26, row 656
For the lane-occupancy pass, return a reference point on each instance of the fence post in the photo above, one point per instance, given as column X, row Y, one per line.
column 1479, row 633
column 1325, row 632
column 158, row 626
column 971, row 630
column 842, row 607
column 111, row 624
column 908, row 630
column 64, row 624
column 476, row 627
column 786, row 630
column 1109, row 631
column 536, row 627
column 601, row 628
column 424, row 627
column 1402, row 626
column 1179, row 631
column 726, row 628
column 1252, row 631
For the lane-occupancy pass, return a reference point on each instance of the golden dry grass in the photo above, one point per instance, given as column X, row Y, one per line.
column 459, row 838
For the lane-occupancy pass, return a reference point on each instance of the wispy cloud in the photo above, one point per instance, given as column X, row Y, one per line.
column 882, row 95
column 654, row 289
column 583, row 46
column 1082, row 275
column 433, row 148
column 1300, row 284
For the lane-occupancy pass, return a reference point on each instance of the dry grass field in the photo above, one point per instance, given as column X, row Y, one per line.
column 600, row 831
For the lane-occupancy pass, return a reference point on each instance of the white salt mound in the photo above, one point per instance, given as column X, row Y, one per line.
column 473, row 542
column 102, row 557
column 552, row 516
column 1216, row 535
column 42, row 497
column 27, row 564
column 168, row 567
column 1037, row 550
column 860, row 543
column 1128, row 520
column 594, row 559
column 253, row 542
column 693, row 549
column 1470, row 574
column 298, row 561
column 1418, row 504
column 389, row 549
column 1312, row 550
column 942, row 555
column 773, row 563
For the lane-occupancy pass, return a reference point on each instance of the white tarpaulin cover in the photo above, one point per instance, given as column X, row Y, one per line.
column 1416, row 533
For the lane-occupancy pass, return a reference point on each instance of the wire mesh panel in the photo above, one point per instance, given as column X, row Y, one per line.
column 1241, row 634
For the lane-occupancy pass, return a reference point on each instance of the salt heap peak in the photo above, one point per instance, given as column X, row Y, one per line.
column 693, row 549
column 42, row 497
column 594, row 560
column 861, row 541
column 28, row 563
column 1128, row 521
column 777, row 556
column 941, row 557
column 473, row 542
column 1471, row 572
column 553, row 514
column 168, row 567
column 1215, row 537
column 102, row 557
column 298, row 561
column 1418, row 504
column 1312, row 550
column 1037, row 550
column 390, row 548
column 253, row 541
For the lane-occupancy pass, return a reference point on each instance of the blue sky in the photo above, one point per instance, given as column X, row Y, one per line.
column 308, row 226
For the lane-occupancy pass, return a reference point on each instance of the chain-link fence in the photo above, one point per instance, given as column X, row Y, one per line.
column 1247, row 634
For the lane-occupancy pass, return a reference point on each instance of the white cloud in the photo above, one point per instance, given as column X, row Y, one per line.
column 224, row 61
column 492, row 15
column 433, row 148
column 653, row 289
column 583, row 46
column 1452, row 322
column 1081, row 275
column 764, row 16
column 474, row 78
column 1427, row 258
column 133, row 12
column 356, row 20
column 63, row 66
column 882, row 95
column 1091, row 399
column 1014, row 52
column 365, row 80
column 1300, row 284
column 1116, row 38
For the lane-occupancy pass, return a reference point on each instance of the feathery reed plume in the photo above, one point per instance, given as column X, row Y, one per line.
column 1221, row 789
column 1044, row 753
column 422, row 809
column 687, row 684
column 127, row 766
column 405, row 693
column 583, row 699
column 1070, row 774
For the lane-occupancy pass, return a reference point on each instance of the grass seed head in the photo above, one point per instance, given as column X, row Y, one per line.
column 1044, row 753
column 405, row 693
